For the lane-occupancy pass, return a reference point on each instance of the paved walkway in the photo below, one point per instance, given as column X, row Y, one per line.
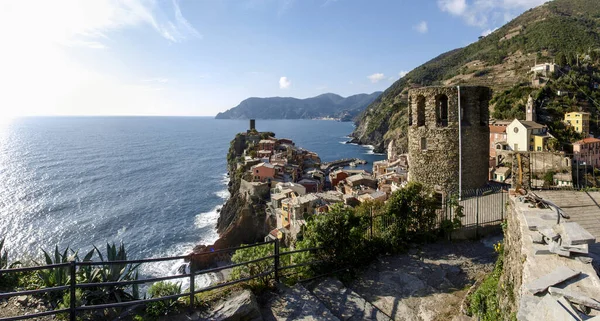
column 582, row 207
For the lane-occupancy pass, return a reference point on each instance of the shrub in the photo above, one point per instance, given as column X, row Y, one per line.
column 162, row 289
column 256, row 268
column 414, row 211
column 342, row 233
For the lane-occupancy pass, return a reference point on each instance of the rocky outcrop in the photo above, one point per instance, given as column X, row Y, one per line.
column 240, row 306
column 243, row 218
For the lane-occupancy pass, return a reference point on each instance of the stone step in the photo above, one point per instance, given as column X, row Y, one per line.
column 296, row 303
column 345, row 303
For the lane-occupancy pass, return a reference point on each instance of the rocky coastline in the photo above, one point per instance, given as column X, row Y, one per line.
column 243, row 218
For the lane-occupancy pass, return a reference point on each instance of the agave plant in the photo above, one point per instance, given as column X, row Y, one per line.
column 57, row 276
column 6, row 279
column 4, row 258
column 111, row 273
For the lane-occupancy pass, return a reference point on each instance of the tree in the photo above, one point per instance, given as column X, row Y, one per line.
column 414, row 211
column 341, row 233
column 561, row 59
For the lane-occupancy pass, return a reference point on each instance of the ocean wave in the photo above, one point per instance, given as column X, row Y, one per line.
column 171, row 268
column 224, row 194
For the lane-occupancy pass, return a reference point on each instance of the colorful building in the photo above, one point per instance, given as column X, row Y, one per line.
column 497, row 135
column 580, row 121
column 524, row 136
column 587, row 151
column 263, row 172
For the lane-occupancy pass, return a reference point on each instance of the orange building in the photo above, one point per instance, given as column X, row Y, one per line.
column 263, row 172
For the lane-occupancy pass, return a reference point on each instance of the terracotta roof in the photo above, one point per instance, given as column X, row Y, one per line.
column 587, row 141
column 496, row 129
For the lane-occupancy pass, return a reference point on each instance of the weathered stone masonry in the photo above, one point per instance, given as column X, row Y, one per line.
column 433, row 138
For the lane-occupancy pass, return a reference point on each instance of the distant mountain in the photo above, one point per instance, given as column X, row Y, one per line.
column 322, row 106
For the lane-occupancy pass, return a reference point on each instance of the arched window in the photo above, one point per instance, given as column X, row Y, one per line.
column 410, row 113
column 420, row 111
column 441, row 110
column 464, row 111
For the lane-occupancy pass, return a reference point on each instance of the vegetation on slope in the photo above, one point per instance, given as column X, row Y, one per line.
column 561, row 29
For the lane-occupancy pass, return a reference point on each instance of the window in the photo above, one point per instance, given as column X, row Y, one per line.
column 539, row 149
column 423, row 143
column 420, row 111
column 441, row 110
column 577, row 122
column 516, row 130
column 256, row 171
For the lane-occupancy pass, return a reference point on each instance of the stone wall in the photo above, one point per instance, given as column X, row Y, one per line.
column 433, row 139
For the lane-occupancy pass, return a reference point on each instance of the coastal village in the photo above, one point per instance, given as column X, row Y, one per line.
column 299, row 184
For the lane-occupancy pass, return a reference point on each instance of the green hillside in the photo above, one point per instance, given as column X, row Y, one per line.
column 565, row 31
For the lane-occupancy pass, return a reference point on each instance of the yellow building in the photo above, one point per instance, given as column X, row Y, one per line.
column 580, row 121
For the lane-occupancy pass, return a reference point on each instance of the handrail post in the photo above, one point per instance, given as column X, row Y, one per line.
column 192, row 288
column 73, row 283
column 276, row 259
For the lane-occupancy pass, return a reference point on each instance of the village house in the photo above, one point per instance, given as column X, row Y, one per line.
column 545, row 69
column 266, row 145
column 264, row 154
column 587, row 152
column 500, row 174
column 523, row 136
column 337, row 176
column 263, row 172
column 311, row 185
column 580, row 121
column 497, row 136
column 373, row 196
column 563, row 180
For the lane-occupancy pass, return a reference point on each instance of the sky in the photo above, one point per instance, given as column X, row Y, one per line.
column 200, row 57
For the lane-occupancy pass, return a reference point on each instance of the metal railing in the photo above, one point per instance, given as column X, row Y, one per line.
column 480, row 208
column 74, row 285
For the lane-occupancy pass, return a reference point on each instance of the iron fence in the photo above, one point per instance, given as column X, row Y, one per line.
column 483, row 207
column 74, row 266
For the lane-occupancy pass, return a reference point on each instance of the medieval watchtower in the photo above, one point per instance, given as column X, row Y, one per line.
column 449, row 136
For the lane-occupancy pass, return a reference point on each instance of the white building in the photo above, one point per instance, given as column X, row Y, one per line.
column 523, row 136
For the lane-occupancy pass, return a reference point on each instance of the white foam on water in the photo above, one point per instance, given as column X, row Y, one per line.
column 224, row 194
column 371, row 149
column 170, row 268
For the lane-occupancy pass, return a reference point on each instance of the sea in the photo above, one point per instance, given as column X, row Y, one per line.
column 154, row 183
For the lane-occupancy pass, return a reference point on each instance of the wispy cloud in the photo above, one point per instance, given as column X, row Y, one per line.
column 421, row 27
column 89, row 23
column 376, row 77
column 284, row 83
column 482, row 13
column 403, row 73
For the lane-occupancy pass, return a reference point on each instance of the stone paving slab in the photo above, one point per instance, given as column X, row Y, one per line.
column 575, row 234
column 345, row 303
column 582, row 207
column 559, row 275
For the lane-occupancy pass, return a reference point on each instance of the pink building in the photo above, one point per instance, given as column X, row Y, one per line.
column 263, row 172
column 497, row 135
column 587, row 151
column 266, row 144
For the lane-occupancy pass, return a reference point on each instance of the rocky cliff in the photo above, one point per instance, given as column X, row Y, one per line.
column 243, row 218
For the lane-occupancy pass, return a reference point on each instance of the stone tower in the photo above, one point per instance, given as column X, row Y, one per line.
column 434, row 139
column 530, row 110
column 252, row 124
